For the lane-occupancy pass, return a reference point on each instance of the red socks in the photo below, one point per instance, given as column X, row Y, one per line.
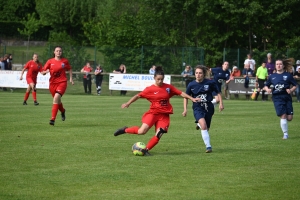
column 152, row 142
column 132, row 130
column 26, row 96
column 34, row 95
column 54, row 111
column 61, row 107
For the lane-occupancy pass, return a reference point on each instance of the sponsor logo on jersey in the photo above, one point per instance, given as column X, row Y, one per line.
column 168, row 90
column 284, row 78
column 63, row 65
column 206, row 87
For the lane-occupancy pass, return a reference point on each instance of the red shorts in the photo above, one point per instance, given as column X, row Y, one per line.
column 31, row 80
column 58, row 88
column 159, row 120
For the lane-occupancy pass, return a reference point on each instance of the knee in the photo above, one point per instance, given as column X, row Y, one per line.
column 142, row 131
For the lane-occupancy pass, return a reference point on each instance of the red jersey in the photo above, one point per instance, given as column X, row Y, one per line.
column 57, row 69
column 160, row 98
column 87, row 69
column 33, row 69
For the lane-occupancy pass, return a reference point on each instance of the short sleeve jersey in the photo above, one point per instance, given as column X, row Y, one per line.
column 203, row 90
column 33, row 69
column 57, row 69
column 281, row 82
column 87, row 69
column 220, row 75
column 262, row 73
column 160, row 98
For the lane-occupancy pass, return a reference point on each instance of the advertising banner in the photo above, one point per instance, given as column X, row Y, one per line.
column 132, row 82
column 11, row 79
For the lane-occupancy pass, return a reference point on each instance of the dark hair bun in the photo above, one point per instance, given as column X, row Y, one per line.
column 159, row 68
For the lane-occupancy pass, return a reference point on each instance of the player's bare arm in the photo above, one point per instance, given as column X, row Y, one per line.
column 185, row 103
column 133, row 99
column 184, row 95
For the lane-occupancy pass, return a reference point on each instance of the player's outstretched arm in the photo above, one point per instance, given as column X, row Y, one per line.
column 133, row 99
column 184, row 95
column 45, row 72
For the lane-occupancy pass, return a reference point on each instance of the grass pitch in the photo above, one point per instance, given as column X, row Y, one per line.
column 81, row 159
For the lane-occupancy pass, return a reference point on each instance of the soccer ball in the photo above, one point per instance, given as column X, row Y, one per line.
column 137, row 148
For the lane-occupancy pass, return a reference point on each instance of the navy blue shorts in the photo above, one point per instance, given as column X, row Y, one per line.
column 204, row 112
column 283, row 104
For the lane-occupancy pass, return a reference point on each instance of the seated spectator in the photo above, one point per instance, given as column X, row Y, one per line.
column 187, row 73
column 235, row 73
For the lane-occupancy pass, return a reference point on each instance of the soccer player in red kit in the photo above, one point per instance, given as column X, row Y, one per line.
column 159, row 95
column 33, row 67
column 57, row 67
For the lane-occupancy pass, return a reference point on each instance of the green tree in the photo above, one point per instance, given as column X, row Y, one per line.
column 31, row 25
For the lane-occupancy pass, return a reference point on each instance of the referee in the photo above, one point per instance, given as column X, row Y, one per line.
column 261, row 77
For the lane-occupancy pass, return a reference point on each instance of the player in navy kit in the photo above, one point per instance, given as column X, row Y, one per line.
column 204, row 109
column 281, row 93
column 220, row 74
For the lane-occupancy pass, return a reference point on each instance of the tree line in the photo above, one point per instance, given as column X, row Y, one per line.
column 252, row 25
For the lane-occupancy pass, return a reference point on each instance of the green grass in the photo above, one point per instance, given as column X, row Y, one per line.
column 81, row 159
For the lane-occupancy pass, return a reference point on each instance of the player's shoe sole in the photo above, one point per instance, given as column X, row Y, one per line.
column 63, row 116
column 52, row 122
column 120, row 131
column 208, row 150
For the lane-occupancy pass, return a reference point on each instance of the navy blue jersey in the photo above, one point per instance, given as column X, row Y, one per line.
column 281, row 82
column 220, row 75
column 202, row 90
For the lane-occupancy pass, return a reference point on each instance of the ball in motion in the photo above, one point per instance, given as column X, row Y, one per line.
column 137, row 148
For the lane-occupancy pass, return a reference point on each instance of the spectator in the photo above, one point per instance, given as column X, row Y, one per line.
column 99, row 78
column 249, row 61
column 261, row 77
column 87, row 78
column 9, row 62
column 187, row 73
column 121, row 70
column 152, row 70
column 235, row 73
column 5, row 66
column 270, row 64
column 2, row 67
column 297, row 65
column 297, row 76
column 247, row 73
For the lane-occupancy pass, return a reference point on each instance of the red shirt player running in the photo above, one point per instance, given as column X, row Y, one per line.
column 57, row 67
column 159, row 95
column 33, row 67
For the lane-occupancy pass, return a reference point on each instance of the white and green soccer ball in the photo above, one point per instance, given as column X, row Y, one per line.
column 137, row 148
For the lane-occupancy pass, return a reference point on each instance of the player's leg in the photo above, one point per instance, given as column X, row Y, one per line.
column 89, row 82
column 57, row 90
column 85, row 85
column 257, row 93
column 161, row 126
column 26, row 94
column 281, row 110
column 148, row 121
column 33, row 88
